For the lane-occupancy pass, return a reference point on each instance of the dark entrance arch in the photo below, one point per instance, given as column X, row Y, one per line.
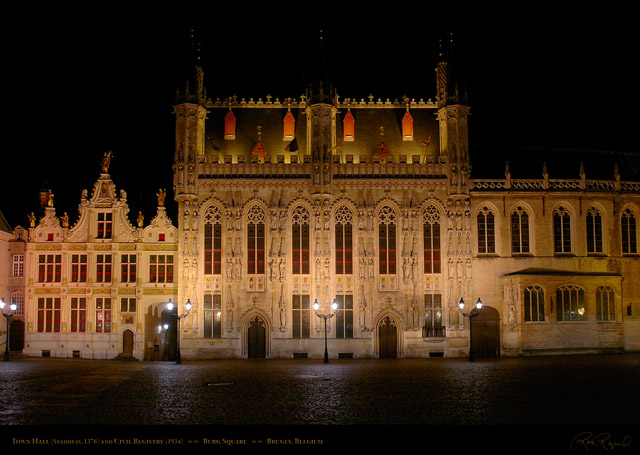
column 127, row 343
column 16, row 335
column 257, row 339
column 170, row 334
column 486, row 333
column 388, row 339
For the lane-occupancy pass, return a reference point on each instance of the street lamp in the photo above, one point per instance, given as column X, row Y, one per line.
column 8, row 316
column 326, row 316
column 470, row 316
column 178, row 317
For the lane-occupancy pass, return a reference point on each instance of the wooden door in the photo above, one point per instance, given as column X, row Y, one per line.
column 127, row 343
column 16, row 335
column 486, row 333
column 388, row 339
column 256, row 339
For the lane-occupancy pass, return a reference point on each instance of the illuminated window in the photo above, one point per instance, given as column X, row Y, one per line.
column 486, row 231
column 570, row 304
column 78, row 314
column 105, row 225
column 213, row 241
column 49, row 311
column 78, row 268
column 212, row 316
column 344, row 240
column 161, row 268
column 407, row 127
column 629, row 233
column 433, row 316
column 255, row 241
column 387, row 240
column 18, row 265
column 519, row 231
column 431, row 228
column 103, row 268
column 49, row 268
column 289, row 124
column 300, row 240
column 534, row 304
column 103, row 315
column 594, row 231
column 301, row 315
column 17, row 297
column 128, row 268
column 344, row 316
column 348, row 127
column 230, row 126
column 605, row 308
column 562, row 230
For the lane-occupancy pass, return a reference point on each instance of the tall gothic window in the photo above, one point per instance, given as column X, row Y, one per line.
column 520, row 231
column 433, row 316
column 605, row 309
column 212, row 316
column 344, row 316
column 629, row 233
column 570, row 304
column 594, row 231
column 213, row 241
column 300, row 240
column 562, row 230
column 344, row 240
column 534, row 304
column 255, row 241
column 486, row 231
column 301, row 315
column 387, row 240
column 431, row 228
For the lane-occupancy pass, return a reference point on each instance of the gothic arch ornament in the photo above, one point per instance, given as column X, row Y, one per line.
column 250, row 319
column 385, row 205
column 436, row 203
column 343, row 214
column 389, row 317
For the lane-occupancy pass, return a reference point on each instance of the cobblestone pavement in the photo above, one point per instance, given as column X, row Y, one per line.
column 600, row 390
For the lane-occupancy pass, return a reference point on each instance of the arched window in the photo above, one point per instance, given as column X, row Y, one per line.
column 534, row 304
column 255, row 240
column 213, row 241
column 629, row 233
column 387, row 240
column 562, row 230
column 486, row 231
column 431, row 231
column 344, row 240
column 570, row 304
column 300, row 240
column 17, row 297
column 605, row 309
column 594, row 231
column 519, row 231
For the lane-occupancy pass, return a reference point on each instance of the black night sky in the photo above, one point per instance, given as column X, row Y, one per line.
column 80, row 83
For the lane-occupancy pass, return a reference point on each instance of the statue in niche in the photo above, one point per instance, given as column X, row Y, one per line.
column 283, row 270
column 370, row 270
column 414, row 268
column 238, row 269
column 406, row 269
column 229, row 267
column 273, row 265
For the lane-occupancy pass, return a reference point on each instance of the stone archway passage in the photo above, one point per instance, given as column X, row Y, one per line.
column 388, row 338
column 256, row 339
column 486, row 333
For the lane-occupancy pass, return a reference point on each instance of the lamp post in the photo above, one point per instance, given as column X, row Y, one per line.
column 326, row 316
column 470, row 315
column 8, row 316
column 178, row 317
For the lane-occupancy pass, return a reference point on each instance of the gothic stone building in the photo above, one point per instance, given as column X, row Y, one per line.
column 368, row 203
column 371, row 204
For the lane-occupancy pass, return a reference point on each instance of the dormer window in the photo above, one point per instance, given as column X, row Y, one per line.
column 407, row 127
column 289, row 124
column 348, row 127
column 105, row 225
column 230, row 126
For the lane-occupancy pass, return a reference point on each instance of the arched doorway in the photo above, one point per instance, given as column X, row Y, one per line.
column 127, row 343
column 257, row 339
column 170, row 334
column 387, row 338
column 485, row 332
column 16, row 335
